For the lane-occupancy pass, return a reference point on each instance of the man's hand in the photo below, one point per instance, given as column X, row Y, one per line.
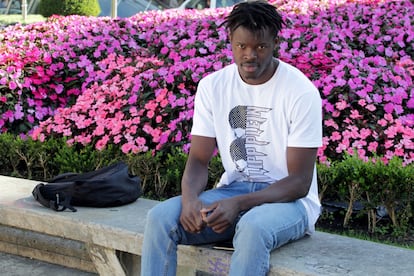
column 190, row 217
column 221, row 214
column 194, row 182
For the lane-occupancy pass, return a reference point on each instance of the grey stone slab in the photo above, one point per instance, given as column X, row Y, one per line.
column 56, row 250
column 122, row 228
column 329, row 254
column 13, row 265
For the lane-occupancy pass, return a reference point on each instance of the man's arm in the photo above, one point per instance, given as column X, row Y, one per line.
column 300, row 163
column 194, row 182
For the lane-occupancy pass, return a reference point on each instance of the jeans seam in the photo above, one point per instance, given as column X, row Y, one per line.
column 173, row 232
column 295, row 224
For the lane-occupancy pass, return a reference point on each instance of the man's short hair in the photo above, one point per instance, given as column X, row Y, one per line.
column 256, row 16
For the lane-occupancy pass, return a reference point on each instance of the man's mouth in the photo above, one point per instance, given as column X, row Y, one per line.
column 249, row 66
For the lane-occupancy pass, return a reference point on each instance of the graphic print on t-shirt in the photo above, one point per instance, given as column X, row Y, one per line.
column 247, row 150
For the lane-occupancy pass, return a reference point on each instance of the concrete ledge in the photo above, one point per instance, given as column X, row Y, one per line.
column 112, row 238
column 56, row 250
column 13, row 265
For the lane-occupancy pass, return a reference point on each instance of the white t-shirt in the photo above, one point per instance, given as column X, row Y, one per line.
column 254, row 125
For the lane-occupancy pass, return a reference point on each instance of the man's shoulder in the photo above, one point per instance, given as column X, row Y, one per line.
column 289, row 67
column 294, row 77
column 291, row 70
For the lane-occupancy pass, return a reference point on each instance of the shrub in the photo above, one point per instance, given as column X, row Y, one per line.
column 69, row 7
column 374, row 185
column 23, row 157
column 160, row 172
column 392, row 187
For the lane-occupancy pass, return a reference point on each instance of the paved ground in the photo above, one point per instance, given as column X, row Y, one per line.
column 12, row 265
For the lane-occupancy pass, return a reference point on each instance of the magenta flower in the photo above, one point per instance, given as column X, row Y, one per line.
column 131, row 82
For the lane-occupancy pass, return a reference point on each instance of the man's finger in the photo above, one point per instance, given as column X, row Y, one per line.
column 220, row 228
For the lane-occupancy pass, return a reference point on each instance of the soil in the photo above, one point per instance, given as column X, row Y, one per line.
column 332, row 221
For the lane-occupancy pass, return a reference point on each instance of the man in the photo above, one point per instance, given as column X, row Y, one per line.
column 265, row 118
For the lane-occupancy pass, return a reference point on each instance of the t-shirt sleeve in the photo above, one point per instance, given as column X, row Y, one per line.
column 203, row 120
column 305, row 128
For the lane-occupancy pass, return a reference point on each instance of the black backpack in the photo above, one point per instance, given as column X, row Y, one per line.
column 107, row 187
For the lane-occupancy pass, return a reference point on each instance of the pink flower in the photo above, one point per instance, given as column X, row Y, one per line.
column 336, row 136
column 362, row 102
column 12, row 85
column 372, row 147
column 101, row 144
column 355, row 114
column 107, row 85
column 126, row 148
column 59, row 88
column 371, row 107
column 150, row 114
column 18, row 114
column 341, row 105
column 133, row 99
column 8, row 115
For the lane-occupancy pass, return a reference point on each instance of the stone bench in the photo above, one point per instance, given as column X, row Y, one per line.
column 108, row 241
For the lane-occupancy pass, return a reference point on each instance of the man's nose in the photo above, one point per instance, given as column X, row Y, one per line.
column 250, row 54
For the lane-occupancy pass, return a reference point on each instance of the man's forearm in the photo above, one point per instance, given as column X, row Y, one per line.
column 194, row 181
column 285, row 190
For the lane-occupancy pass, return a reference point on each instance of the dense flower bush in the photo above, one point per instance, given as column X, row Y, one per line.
column 131, row 82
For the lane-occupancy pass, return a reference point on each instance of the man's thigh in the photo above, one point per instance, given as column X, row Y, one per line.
column 283, row 222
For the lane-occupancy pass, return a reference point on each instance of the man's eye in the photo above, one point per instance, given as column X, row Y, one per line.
column 261, row 47
column 241, row 46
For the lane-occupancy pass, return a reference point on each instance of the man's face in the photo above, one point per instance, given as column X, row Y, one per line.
column 253, row 54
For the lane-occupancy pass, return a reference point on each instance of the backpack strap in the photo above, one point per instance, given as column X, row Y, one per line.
column 55, row 204
column 62, row 176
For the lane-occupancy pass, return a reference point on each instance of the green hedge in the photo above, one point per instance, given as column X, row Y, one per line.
column 69, row 7
column 351, row 180
column 372, row 185
column 160, row 173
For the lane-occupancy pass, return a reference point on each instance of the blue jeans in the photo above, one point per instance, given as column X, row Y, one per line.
column 255, row 234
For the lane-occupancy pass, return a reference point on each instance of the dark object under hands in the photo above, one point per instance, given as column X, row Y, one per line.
column 224, row 245
column 107, row 187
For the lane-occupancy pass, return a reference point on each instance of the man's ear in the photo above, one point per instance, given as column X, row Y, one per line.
column 277, row 41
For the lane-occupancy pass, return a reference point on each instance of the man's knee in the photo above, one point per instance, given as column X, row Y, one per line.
column 250, row 232
column 164, row 211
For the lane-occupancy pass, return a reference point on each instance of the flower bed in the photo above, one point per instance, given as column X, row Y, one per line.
column 131, row 82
